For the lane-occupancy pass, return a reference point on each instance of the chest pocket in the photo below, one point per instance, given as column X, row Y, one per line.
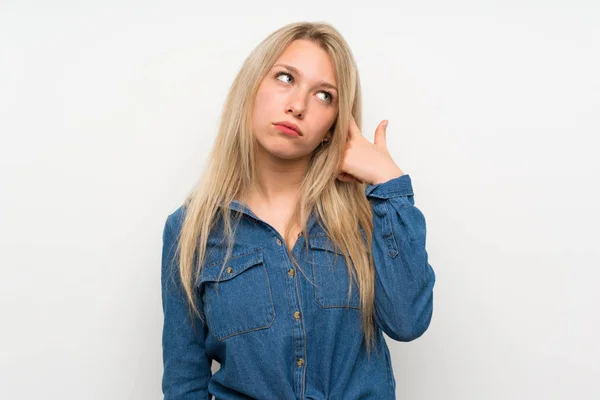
column 241, row 300
column 331, row 277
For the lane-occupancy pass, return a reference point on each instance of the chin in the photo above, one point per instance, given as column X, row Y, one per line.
column 285, row 155
column 276, row 148
column 284, row 152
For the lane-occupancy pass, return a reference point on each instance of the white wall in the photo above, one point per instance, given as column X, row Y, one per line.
column 106, row 115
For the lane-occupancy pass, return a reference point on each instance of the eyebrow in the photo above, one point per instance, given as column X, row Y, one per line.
column 295, row 70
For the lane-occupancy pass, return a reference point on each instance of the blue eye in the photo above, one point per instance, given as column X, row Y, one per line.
column 329, row 100
column 328, row 94
column 282, row 73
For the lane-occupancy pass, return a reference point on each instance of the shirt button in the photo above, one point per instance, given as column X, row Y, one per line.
column 229, row 270
column 291, row 272
column 300, row 362
column 297, row 315
column 278, row 242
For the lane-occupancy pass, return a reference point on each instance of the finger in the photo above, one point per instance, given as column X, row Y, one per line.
column 380, row 133
column 353, row 128
column 345, row 177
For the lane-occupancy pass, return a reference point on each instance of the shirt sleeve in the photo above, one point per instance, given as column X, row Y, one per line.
column 187, row 368
column 404, row 279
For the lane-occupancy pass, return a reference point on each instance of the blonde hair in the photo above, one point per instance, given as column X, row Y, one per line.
column 342, row 206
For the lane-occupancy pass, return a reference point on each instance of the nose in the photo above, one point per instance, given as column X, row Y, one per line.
column 297, row 104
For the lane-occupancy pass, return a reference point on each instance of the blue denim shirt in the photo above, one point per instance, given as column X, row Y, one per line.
column 275, row 334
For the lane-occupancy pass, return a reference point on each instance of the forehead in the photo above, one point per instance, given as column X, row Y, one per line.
column 310, row 59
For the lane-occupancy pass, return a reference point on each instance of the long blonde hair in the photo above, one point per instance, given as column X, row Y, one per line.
column 342, row 206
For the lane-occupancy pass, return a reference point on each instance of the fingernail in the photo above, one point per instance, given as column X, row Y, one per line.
column 385, row 123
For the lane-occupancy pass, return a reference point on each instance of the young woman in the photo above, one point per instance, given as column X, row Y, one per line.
column 300, row 244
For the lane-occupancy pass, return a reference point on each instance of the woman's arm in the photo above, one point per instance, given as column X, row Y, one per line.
column 404, row 279
column 187, row 368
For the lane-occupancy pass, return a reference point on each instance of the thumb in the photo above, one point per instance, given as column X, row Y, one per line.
column 380, row 133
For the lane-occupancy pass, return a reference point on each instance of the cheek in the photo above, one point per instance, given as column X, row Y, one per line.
column 325, row 121
column 263, row 106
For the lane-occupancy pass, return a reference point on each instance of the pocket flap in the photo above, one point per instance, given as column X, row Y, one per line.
column 323, row 242
column 235, row 266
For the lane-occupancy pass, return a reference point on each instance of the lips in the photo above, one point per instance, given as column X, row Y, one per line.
column 289, row 125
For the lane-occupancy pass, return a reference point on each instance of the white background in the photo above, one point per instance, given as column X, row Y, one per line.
column 108, row 109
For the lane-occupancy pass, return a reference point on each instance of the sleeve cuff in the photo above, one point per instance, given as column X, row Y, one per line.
column 395, row 187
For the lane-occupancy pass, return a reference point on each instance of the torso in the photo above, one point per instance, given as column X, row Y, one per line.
column 278, row 221
column 277, row 218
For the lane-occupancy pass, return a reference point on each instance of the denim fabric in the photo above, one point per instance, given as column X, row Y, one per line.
column 276, row 335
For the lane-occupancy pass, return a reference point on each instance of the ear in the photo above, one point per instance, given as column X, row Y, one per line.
column 333, row 126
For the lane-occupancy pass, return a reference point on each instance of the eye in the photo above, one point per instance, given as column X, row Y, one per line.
column 329, row 96
column 281, row 74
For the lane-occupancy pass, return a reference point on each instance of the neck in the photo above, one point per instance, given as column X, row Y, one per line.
column 278, row 180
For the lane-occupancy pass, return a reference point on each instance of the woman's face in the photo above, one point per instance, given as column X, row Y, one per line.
column 300, row 89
